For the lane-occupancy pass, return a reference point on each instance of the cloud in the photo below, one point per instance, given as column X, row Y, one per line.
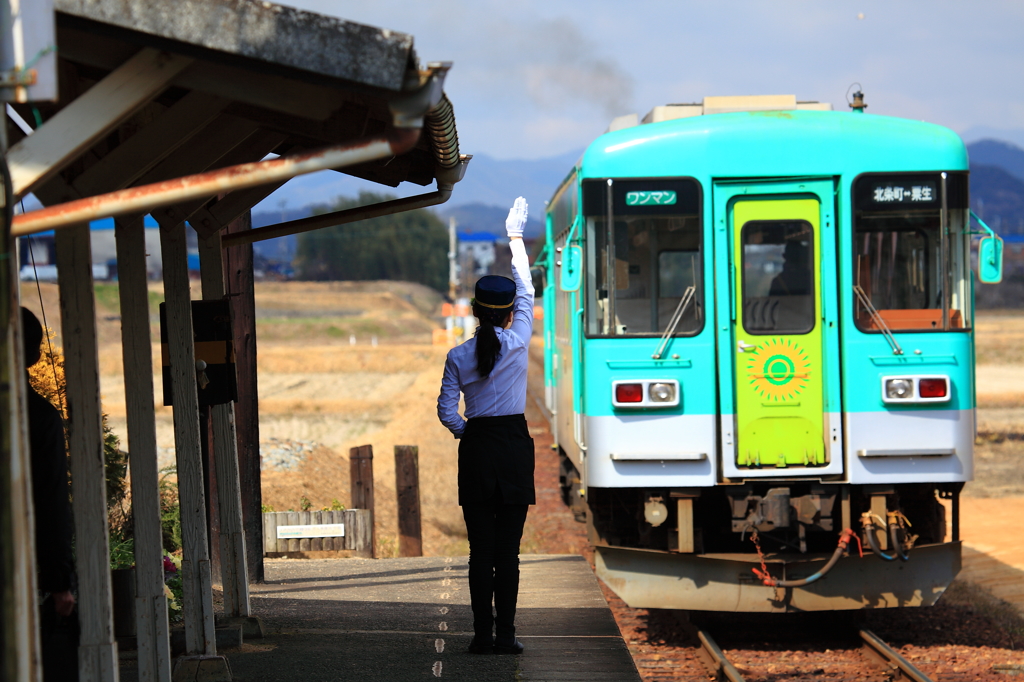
column 567, row 68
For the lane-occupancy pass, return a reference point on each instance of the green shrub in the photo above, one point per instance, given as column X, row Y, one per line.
column 170, row 511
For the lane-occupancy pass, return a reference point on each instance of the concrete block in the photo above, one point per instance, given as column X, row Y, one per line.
column 229, row 637
column 201, row 669
column 252, row 627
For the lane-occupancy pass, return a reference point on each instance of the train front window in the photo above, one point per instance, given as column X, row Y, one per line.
column 778, row 276
column 911, row 269
column 654, row 257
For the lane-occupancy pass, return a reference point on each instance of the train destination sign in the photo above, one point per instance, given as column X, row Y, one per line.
column 909, row 193
column 644, row 196
column 651, row 198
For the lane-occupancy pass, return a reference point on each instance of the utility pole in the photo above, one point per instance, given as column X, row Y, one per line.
column 453, row 281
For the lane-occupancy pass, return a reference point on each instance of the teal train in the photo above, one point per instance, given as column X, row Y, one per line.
column 759, row 354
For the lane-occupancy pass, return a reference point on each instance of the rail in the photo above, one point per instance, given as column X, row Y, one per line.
column 900, row 667
column 876, row 650
column 715, row 661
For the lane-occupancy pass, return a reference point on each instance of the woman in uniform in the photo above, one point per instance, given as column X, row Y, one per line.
column 495, row 450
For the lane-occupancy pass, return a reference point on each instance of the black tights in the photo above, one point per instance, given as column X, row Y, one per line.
column 495, row 530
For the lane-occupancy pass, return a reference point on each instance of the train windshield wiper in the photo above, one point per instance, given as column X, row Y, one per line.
column 674, row 322
column 877, row 319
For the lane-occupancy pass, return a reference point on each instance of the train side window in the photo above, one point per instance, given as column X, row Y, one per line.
column 903, row 263
column 778, row 276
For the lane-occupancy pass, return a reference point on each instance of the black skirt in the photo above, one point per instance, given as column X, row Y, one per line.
column 496, row 457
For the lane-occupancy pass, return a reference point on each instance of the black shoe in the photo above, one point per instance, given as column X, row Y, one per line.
column 480, row 646
column 515, row 647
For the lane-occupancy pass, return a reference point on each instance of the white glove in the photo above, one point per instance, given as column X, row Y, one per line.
column 516, row 219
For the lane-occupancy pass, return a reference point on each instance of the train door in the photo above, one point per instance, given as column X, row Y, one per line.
column 782, row 351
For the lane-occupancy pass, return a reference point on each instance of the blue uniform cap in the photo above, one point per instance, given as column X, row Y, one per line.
column 495, row 291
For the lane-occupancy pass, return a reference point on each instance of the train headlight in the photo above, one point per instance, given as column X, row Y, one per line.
column 899, row 389
column 629, row 393
column 662, row 392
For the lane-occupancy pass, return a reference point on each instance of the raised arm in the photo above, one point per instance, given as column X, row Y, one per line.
column 522, row 315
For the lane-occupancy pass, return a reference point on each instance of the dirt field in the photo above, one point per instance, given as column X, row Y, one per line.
column 321, row 395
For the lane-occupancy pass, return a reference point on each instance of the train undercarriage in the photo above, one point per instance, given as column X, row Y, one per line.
column 771, row 545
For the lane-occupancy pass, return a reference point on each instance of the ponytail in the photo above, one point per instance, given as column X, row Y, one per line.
column 487, row 343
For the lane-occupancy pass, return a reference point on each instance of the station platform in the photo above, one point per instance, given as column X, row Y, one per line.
column 410, row 619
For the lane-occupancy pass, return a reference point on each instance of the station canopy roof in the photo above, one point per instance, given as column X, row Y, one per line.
column 163, row 90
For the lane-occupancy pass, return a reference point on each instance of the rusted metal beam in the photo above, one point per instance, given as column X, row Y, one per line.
column 145, row 198
column 349, row 215
column 136, row 156
column 250, row 150
column 216, row 215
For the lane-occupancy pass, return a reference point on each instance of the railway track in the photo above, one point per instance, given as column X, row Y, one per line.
column 957, row 640
column 875, row 650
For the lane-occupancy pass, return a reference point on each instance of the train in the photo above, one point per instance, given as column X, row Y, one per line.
column 759, row 354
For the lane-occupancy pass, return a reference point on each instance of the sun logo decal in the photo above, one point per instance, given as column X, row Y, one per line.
column 778, row 370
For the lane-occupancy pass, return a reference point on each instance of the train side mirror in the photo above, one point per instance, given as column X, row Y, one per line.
column 990, row 260
column 572, row 268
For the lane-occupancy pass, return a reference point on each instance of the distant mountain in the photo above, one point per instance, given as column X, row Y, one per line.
column 1007, row 156
column 998, row 198
column 979, row 133
column 484, row 218
column 493, row 182
column 281, row 249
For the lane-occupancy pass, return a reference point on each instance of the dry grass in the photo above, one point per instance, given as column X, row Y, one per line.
column 401, row 359
column 1000, row 337
column 335, row 312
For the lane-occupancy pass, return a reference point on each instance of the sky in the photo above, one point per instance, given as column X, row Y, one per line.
column 538, row 78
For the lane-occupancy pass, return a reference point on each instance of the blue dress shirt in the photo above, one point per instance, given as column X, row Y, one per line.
column 503, row 391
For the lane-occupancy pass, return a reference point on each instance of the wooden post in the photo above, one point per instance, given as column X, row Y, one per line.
column 150, row 603
column 407, row 485
column 19, row 633
column 361, row 469
column 198, row 596
column 97, row 651
column 231, row 533
column 238, row 278
column 209, row 488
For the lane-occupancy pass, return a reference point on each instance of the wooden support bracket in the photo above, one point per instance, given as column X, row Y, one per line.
column 77, row 126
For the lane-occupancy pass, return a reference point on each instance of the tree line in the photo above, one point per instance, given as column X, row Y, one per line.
column 411, row 246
